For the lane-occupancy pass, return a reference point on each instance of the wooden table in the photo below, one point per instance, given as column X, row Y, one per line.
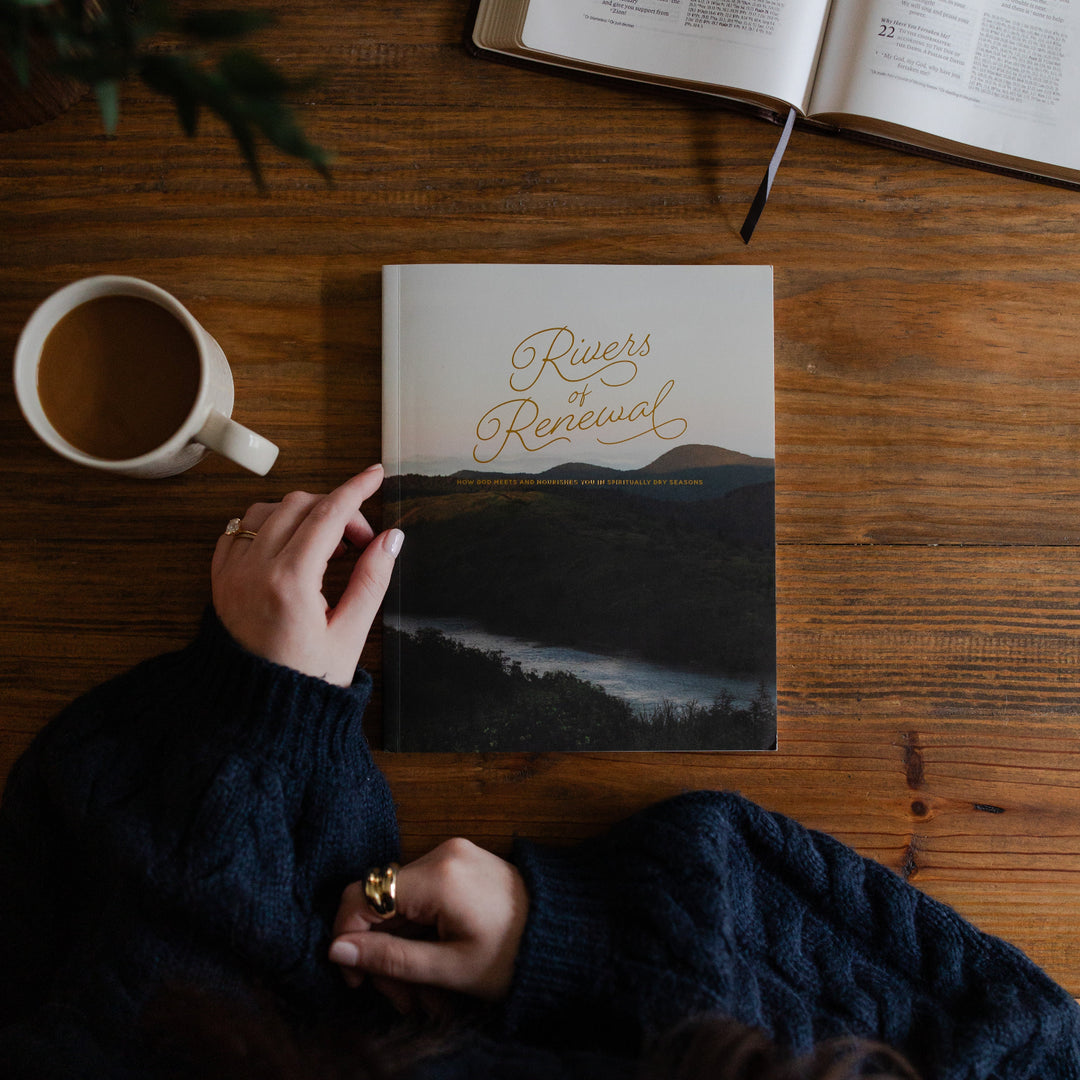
column 928, row 422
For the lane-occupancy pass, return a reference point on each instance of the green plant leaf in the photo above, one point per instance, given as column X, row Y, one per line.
column 93, row 68
column 151, row 17
column 250, row 74
column 15, row 27
column 219, row 97
column 244, row 90
column 107, row 93
column 116, row 24
column 19, row 57
column 20, row 61
column 245, row 139
column 278, row 123
column 175, row 76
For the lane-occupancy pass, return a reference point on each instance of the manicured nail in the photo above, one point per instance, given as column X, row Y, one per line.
column 344, row 953
column 394, row 539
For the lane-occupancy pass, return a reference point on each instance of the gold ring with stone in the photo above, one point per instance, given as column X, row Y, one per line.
column 380, row 889
column 233, row 529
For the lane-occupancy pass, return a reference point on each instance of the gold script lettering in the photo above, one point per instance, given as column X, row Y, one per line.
column 675, row 426
column 510, row 422
column 519, row 420
column 557, row 348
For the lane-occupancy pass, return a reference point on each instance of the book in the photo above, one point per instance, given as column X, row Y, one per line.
column 582, row 460
column 994, row 83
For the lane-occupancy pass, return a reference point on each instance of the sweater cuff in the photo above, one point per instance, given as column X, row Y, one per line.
column 269, row 710
column 567, row 938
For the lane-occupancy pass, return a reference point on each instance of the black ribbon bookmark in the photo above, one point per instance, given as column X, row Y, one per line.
column 765, row 187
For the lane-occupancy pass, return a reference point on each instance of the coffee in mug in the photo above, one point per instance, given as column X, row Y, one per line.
column 115, row 373
column 117, row 376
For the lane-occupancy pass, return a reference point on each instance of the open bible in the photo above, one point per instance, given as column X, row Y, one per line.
column 992, row 82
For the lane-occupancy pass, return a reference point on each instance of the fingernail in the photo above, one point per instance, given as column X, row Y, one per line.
column 372, row 468
column 344, row 953
column 394, row 539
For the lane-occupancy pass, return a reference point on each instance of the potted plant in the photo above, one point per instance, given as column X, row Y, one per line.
column 195, row 59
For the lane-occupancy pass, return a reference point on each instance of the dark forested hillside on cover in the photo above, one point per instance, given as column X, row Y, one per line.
column 678, row 582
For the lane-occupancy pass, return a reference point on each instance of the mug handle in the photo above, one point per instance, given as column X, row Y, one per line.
column 237, row 443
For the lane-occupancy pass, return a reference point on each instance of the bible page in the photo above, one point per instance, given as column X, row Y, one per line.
column 1002, row 76
column 766, row 47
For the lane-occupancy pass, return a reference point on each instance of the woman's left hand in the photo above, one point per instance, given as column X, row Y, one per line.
column 267, row 591
column 475, row 902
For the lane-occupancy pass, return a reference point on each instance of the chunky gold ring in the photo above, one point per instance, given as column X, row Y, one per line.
column 380, row 888
column 233, row 529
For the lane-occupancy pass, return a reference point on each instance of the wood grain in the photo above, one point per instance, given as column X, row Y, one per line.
column 927, row 400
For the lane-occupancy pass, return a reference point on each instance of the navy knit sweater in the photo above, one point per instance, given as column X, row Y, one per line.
column 195, row 820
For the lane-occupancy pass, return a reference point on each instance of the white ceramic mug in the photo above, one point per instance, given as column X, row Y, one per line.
column 208, row 424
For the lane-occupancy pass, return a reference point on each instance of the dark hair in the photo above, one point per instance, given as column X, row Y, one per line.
column 194, row 1035
column 714, row 1047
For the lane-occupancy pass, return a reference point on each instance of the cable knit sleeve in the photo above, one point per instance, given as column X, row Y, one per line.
column 192, row 821
column 709, row 903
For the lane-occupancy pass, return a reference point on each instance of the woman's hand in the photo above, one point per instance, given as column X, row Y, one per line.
column 475, row 902
column 267, row 591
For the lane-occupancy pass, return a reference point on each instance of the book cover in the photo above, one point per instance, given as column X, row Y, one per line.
column 582, row 460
